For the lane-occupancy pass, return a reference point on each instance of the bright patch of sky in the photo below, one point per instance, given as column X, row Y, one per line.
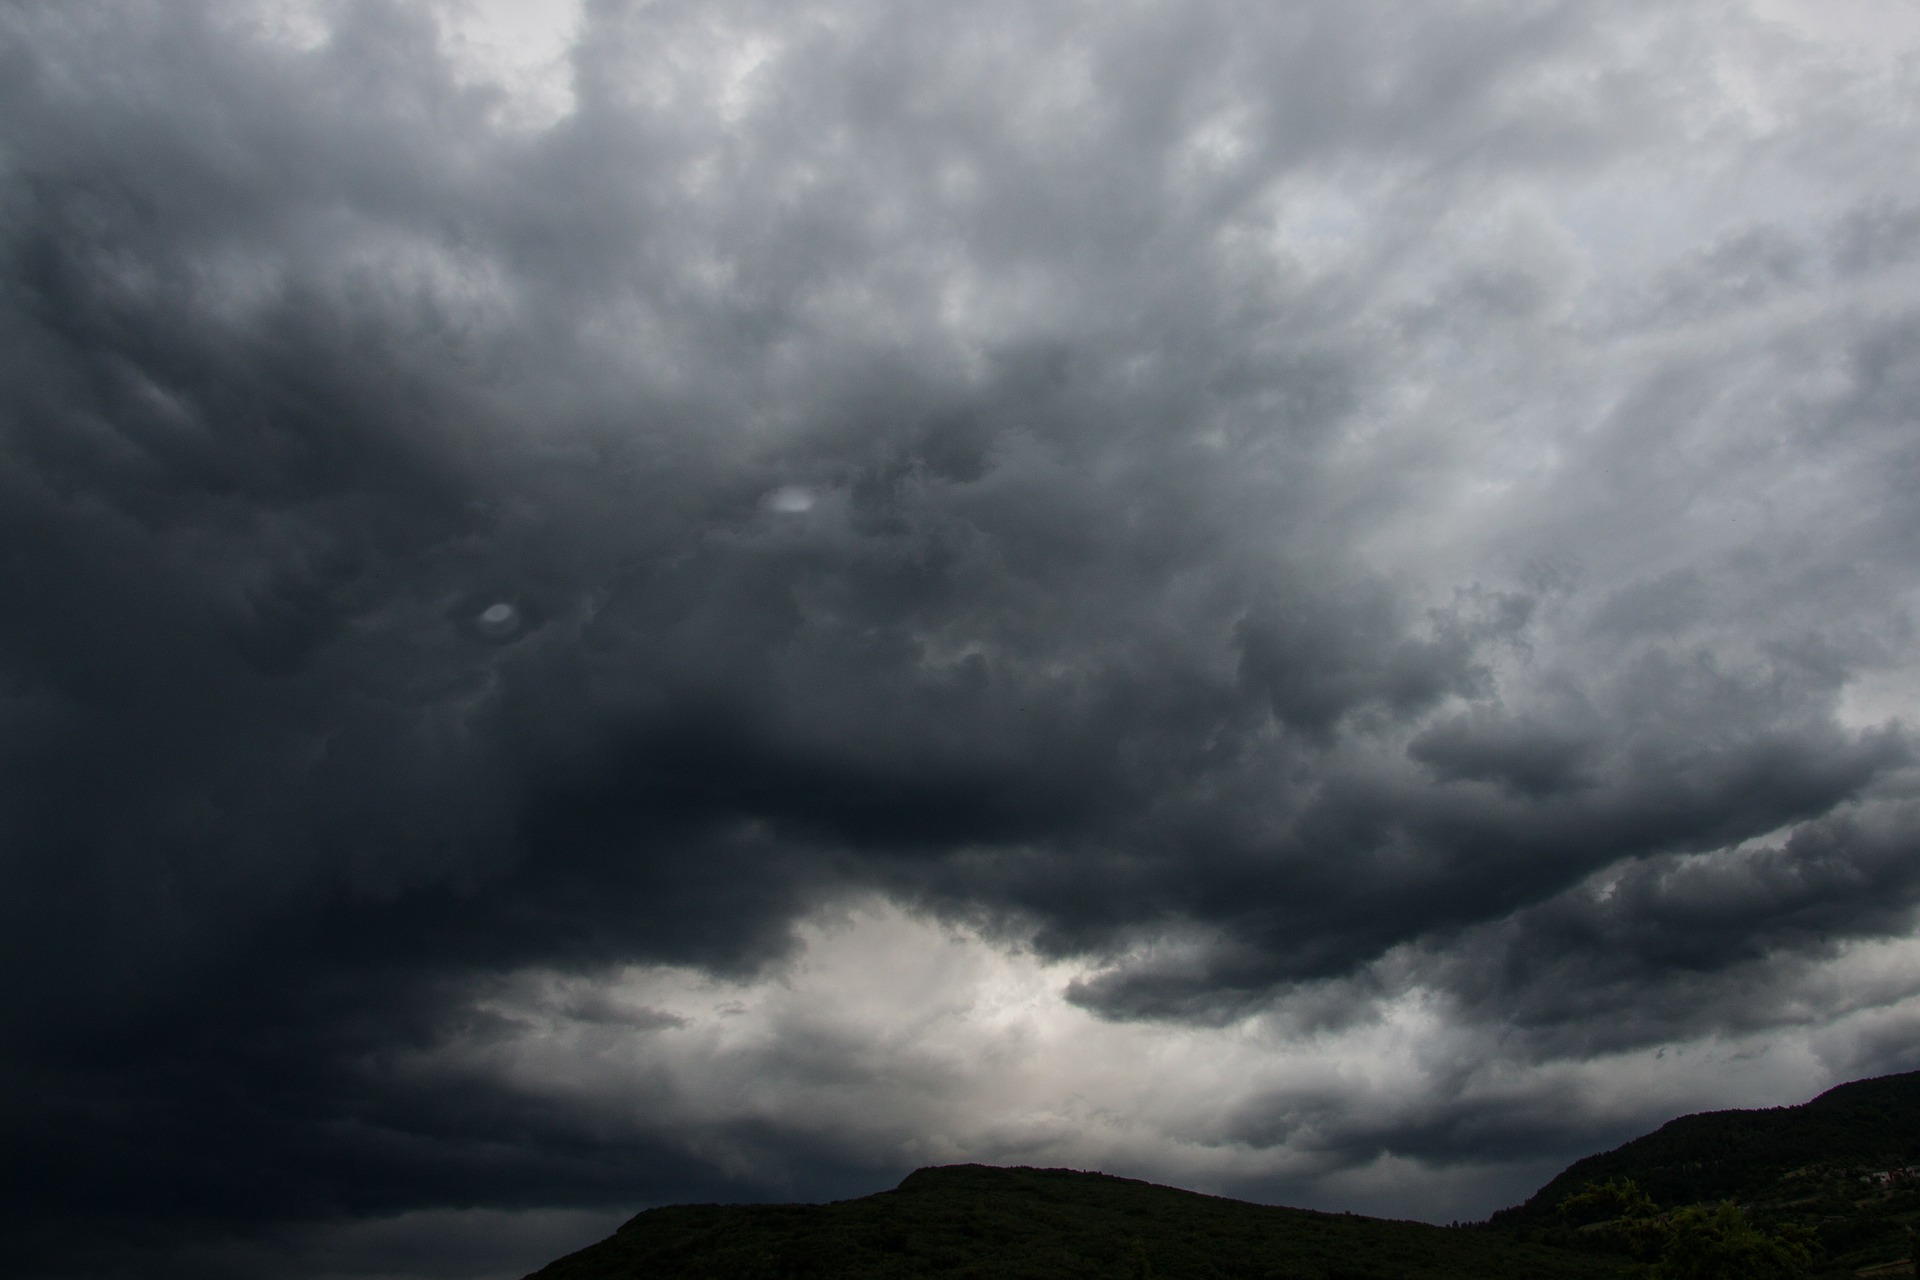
column 896, row 1041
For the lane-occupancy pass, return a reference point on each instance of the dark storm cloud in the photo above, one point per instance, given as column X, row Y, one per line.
column 1628, row 960
column 920, row 459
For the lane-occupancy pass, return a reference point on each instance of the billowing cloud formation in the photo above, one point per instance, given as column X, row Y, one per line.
column 1283, row 534
column 890, row 1040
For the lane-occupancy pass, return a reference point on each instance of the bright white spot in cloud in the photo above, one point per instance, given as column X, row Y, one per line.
column 519, row 47
column 791, row 499
column 498, row 620
column 736, row 78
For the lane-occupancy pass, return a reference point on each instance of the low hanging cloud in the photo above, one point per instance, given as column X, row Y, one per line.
column 890, row 1039
column 677, row 601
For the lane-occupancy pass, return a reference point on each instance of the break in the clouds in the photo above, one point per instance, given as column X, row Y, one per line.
column 630, row 602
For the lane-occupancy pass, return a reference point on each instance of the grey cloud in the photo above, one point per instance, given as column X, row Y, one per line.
column 1877, row 235
column 1533, row 759
column 401, row 591
column 1741, row 270
column 1699, row 941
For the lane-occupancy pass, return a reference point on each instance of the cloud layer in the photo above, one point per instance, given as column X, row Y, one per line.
column 1317, row 601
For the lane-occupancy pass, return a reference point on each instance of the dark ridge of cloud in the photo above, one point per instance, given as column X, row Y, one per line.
column 1491, row 1129
column 1530, row 758
column 1625, row 960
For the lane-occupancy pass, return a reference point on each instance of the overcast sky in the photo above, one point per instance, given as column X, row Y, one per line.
column 615, row 603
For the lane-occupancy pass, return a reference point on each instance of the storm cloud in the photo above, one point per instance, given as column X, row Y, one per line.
column 618, row 603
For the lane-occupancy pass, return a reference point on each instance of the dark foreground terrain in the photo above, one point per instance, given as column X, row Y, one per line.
column 1846, row 1167
column 1840, row 1175
column 969, row 1220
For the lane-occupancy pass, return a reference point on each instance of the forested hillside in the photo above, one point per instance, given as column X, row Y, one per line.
column 1845, row 1167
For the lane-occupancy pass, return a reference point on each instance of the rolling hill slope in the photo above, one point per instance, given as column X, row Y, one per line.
column 1037, row 1224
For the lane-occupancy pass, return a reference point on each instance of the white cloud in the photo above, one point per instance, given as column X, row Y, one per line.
column 519, row 48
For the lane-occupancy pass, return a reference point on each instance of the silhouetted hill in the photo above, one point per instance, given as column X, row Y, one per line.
column 1029, row 1224
column 1736, row 1155
column 1837, row 1165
